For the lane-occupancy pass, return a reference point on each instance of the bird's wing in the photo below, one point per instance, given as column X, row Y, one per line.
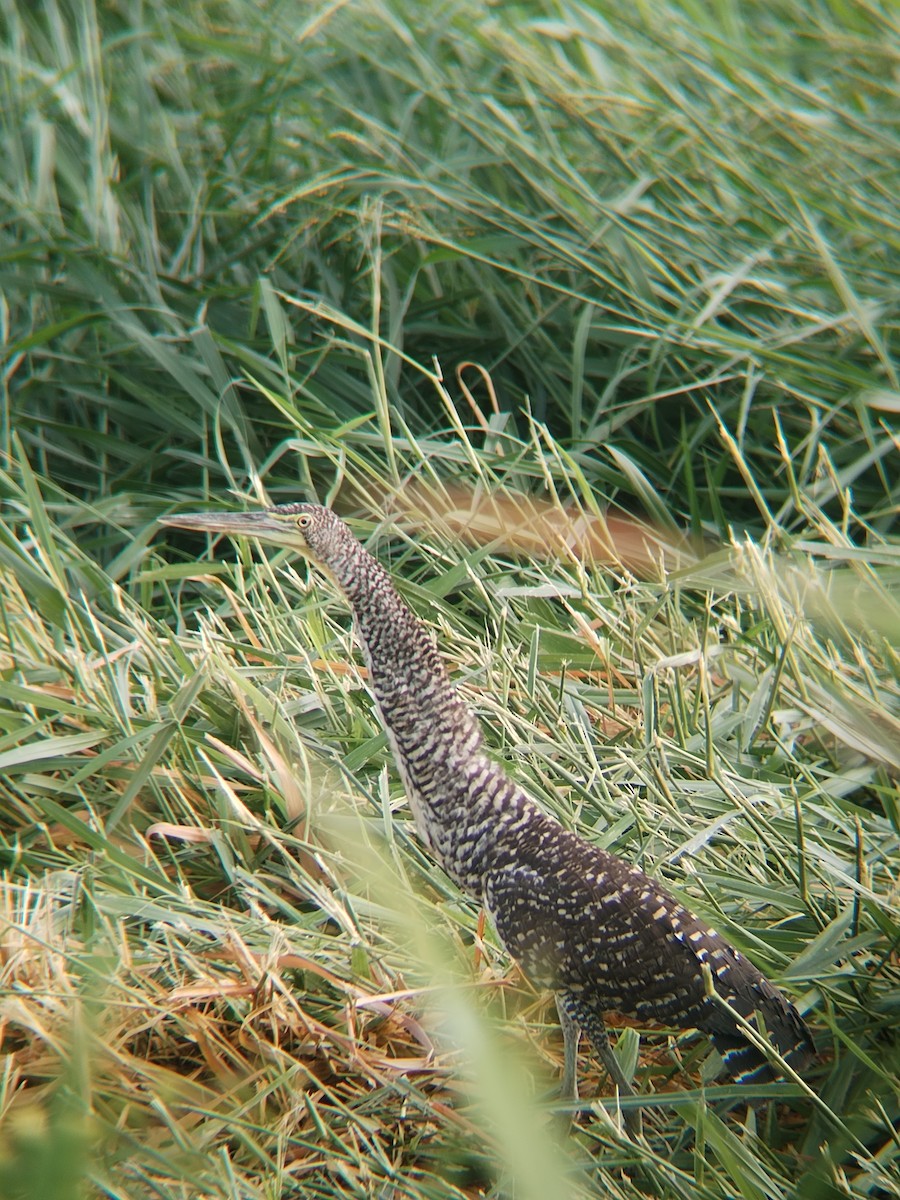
column 584, row 922
column 576, row 917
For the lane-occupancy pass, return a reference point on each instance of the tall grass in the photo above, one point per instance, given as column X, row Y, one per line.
column 580, row 262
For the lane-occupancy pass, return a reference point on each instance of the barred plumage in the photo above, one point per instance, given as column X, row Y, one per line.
column 582, row 922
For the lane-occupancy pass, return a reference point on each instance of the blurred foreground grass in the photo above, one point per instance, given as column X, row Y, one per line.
column 493, row 280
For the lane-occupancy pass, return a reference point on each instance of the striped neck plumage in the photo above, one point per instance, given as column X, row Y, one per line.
column 400, row 653
column 436, row 740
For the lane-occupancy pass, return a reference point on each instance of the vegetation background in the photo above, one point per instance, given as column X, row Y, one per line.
column 569, row 259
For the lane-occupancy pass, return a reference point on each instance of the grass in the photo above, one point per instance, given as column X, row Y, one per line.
column 601, row 281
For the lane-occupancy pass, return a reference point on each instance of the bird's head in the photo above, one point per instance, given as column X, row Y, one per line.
column 309, row 529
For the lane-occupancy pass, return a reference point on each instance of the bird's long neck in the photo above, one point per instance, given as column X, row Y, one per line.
column 460, row 798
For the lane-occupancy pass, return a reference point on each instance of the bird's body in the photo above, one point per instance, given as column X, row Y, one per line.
column 600, row 933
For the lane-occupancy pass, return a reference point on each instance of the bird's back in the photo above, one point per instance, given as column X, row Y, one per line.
column 582, row 921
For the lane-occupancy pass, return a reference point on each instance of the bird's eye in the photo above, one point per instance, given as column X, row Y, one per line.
column 304, row 521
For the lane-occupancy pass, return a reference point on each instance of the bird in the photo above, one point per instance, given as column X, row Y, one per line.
column 580, row 921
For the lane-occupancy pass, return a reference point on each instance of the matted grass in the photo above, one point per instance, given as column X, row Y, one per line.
column 541, row 261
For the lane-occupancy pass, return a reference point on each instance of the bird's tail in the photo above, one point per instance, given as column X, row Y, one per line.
column 766, row 1009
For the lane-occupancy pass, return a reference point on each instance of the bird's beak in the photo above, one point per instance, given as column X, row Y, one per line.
column 261, row 524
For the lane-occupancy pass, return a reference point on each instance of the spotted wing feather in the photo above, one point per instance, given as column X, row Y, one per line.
column 585, row 923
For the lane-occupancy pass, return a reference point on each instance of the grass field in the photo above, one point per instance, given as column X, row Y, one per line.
column 610, row 280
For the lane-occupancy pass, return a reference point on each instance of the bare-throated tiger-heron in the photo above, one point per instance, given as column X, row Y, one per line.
column 580, row 921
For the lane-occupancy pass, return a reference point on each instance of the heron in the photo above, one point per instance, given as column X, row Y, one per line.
column 582, row 922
